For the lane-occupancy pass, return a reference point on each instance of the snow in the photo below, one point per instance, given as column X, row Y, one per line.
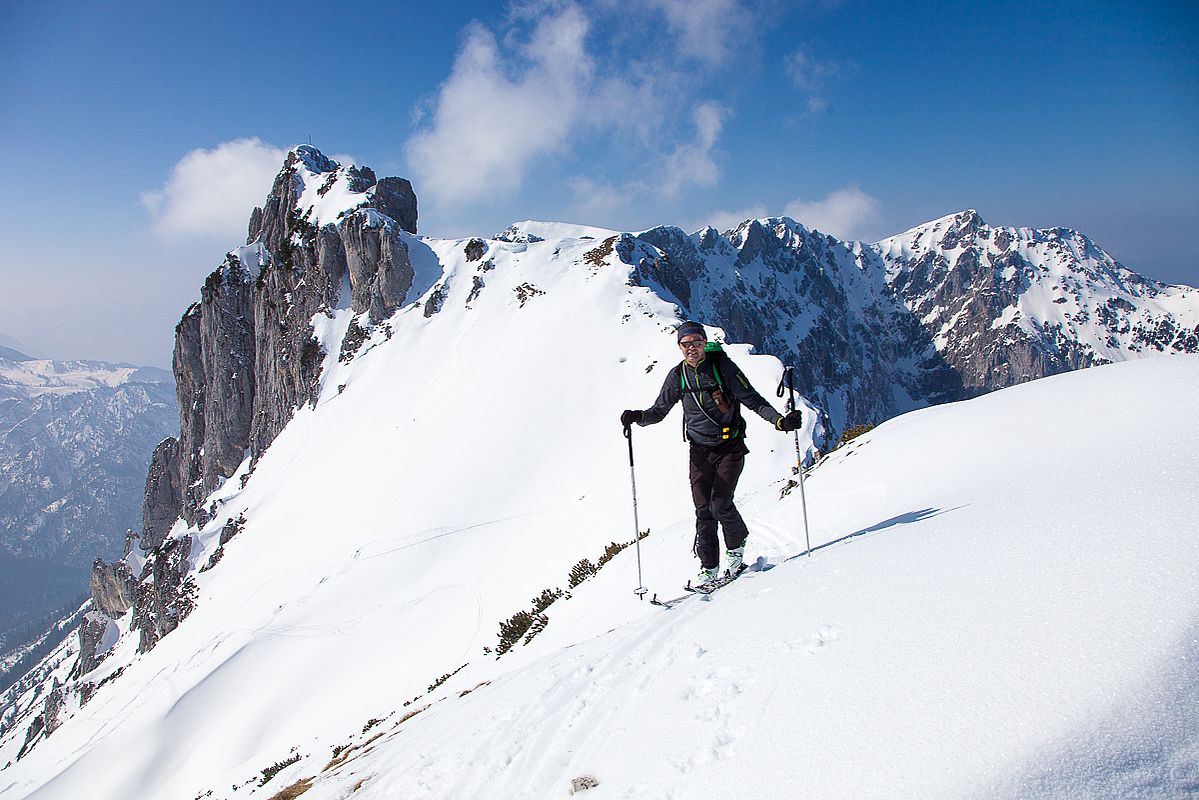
column 252, row 257
column 329, row 207
column 325, row 196
column 1001, row 600
column 549, row 231
column 37, row 377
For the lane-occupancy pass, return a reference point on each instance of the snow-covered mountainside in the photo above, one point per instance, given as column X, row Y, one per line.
column 1004, row 305
column 391, row 551
column 1001, row 600
column 75, row 443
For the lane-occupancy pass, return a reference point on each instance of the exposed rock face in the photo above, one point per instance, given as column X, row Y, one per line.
column 380, row 272
column 214, row 368
column 51, row 708
column 311, row 257
column 396, row 199
column 166, row 594
column 113, row 587
column 245, row 355
column 91, row 634
column 164, row 494
column 227, row 348
column 33, row 734
column 802, row 296
column 188, row 364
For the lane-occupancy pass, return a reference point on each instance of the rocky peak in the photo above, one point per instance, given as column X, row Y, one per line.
column 314, row 160
column 778, row 242
column 245, row 355
column 312, row 191
column 754, row 240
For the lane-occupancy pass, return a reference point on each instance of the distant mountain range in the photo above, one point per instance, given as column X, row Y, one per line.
column 75, row 442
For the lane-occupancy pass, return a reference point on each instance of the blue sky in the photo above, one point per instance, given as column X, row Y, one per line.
column 138, row 136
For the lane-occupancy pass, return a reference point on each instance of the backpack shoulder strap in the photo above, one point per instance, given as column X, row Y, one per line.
column 717, row 356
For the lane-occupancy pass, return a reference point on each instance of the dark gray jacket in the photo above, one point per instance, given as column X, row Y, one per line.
column 704, row 423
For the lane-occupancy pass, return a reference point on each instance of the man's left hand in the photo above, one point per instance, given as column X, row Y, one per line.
column 791, row 421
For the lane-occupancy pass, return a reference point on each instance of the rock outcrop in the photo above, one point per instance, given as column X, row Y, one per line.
column 113, row 587
column 245, row 357
column 166, row 593
column 91, row 635
column 163, row 499
column 245, row 354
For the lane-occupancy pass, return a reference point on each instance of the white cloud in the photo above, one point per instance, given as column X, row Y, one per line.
column 728, row 220
column 500, row 110
column 692, row 163
column 211, row 192
column 845, row 213
column 706, row 30
column 806, row 73
column 598, row 202
column 811, row 77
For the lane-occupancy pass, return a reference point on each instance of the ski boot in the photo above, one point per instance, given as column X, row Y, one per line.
column 735, row 560
column 706, row 576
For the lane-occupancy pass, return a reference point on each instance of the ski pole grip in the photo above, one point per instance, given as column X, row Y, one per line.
column 628, row 434
column 787, row 381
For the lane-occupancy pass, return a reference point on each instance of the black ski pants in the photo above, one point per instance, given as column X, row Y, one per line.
column 714, row 475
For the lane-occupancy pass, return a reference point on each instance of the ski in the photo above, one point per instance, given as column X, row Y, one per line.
column 723, row 580
column 672, row 602
column 706, row 589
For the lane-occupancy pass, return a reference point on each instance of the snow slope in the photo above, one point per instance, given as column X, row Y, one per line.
column 1001, row 600
column 1003, row 603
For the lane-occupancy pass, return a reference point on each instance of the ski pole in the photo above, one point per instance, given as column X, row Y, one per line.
column 788, row 380
column 640, row 590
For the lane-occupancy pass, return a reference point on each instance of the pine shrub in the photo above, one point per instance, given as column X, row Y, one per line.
column 273, row 770
column 850, row 434
column 581, row 572
column 512, row 629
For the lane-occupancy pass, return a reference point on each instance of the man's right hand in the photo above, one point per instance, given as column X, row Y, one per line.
column 629, row 417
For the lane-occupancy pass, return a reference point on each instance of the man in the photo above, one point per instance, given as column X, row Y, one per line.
column 712, row 390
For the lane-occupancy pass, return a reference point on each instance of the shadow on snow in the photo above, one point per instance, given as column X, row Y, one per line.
column 902, row 519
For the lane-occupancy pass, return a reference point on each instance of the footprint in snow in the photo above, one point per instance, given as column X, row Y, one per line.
column 820, row 639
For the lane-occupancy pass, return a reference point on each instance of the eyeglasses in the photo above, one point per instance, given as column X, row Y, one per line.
column 693, row 343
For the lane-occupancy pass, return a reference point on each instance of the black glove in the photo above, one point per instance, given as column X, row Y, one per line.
column 790, row 422
column 629, row 417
